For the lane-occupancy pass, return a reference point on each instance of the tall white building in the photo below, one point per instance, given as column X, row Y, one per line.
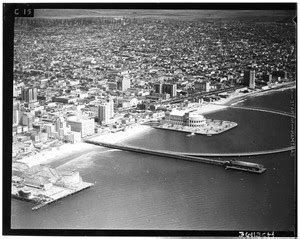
column 249, row 78
column 252, row 80
column 105, row 112
column 124, row 83
column 84, row 126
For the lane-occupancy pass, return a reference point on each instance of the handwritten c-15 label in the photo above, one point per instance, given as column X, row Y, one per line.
column 24, row 12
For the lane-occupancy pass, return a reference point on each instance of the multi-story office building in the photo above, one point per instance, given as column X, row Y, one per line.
column 158, row 88
column 170, row 89
column 27, row 120
column 123, row 84
column 202, row 86
column 267, row 77
column 29, row 94
column 279, row 75
column 249, row 79
column 84, row 126
column 105, row 112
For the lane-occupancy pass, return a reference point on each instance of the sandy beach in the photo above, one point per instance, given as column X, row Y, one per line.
column 56, row 153
column 240, row 97
column 121, row 136
column 207, row 108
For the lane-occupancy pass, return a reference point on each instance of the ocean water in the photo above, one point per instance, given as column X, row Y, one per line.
column 137, row 191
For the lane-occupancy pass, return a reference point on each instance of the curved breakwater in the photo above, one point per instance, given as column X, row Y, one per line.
column 189, row 156
column 259, row 110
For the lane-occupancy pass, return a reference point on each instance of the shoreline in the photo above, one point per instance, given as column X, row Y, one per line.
column 235, row 99
column 57, row 153
column 68, row 150
column 122, row 136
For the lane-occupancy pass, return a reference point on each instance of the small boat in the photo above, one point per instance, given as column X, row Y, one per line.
column 208, row 135
column 191, row 134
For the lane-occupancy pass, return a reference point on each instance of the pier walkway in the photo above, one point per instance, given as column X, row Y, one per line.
column 163, row 153
column 258, row 109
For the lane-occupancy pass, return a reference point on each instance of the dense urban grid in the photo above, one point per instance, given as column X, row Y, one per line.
column 74, row 78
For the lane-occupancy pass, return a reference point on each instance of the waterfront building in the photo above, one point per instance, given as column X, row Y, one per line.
column 279, row 75
column 195, row 120
column 267, row 78
column 105, row 111
column 183, row 118
column 249, row 79
column 38, row 182
column 84, row 126
column 202, row 86
column 72, row 137
column 29, row 94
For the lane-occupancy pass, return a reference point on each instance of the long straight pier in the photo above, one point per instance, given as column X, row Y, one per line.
column 159, row 153
column 237, row 165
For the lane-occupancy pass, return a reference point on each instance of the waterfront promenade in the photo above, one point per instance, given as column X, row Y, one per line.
column 164, row 153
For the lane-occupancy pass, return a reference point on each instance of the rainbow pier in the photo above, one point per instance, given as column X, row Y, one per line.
column 231, row 164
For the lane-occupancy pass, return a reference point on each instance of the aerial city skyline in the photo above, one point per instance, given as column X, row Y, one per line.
column 100, row 96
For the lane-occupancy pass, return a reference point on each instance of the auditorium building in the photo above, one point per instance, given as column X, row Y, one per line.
column 182, row 118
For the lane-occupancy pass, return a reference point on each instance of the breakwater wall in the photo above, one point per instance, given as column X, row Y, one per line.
column 272, row 151
column 258, row 109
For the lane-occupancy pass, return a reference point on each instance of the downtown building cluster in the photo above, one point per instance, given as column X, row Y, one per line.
column 99, row 76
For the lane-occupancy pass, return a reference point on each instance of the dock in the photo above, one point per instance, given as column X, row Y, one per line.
column 42, row 185
column 84, row 186
column 53, row 195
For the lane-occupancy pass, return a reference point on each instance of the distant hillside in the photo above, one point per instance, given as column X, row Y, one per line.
column 163, row 14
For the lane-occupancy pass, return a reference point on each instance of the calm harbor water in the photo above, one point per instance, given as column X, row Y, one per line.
column 136, row 191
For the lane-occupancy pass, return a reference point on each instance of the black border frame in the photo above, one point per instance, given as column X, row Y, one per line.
column 8, row 37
